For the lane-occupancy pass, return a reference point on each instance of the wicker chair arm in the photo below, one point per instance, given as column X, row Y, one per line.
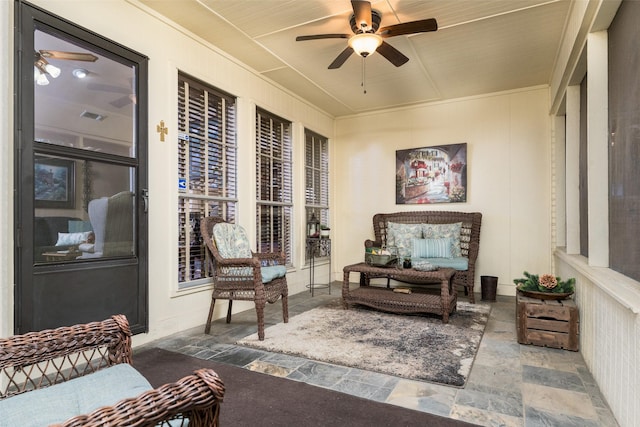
column 237, row 262
column 474, row 248
column 197, row 397
column 36, row 347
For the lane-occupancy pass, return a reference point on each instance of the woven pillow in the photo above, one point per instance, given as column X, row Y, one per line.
column 432, row 248
column 438, row 231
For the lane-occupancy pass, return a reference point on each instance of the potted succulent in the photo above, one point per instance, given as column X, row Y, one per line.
column 546, row 286
column 324, row 230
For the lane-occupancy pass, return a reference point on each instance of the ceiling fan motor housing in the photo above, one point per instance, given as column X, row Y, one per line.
column 376, row 18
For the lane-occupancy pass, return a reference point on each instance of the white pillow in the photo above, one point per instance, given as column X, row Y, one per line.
column 432, row 248
column 67, row 239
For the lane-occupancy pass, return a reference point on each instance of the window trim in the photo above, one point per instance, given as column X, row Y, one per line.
column 228, row 201
column 286, row 161
column 321, row 210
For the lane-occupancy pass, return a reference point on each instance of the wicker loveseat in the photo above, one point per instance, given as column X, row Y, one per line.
column 55, row 376
column 469, row 241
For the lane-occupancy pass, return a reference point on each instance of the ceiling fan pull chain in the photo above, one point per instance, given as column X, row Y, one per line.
column 364, row 75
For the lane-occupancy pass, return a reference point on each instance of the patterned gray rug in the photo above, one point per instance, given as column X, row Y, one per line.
column 415, row 347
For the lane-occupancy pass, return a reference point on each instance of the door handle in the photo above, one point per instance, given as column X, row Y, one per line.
column 145, row 199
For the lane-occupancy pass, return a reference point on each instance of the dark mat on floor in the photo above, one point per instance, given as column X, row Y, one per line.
column 256, row 399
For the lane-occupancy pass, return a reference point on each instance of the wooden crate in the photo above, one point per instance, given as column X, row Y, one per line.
column 547, row 323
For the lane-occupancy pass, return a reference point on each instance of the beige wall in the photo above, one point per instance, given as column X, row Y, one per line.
column 170, row 49
column 508, row 178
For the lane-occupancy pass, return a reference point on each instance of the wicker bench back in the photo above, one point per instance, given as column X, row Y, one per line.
column 41, row 359
column 44, row 359
column 469, row 235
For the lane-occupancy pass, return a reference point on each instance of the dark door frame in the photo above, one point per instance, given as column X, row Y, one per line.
column 28, row 18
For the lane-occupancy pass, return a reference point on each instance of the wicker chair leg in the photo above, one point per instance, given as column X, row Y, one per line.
column 285, row 308
column 260, row 315
column 207, row 327
column 229, row 311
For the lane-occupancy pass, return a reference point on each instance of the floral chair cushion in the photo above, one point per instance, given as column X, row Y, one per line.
column 231, row 241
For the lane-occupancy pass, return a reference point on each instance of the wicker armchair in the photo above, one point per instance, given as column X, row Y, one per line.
column 244, row 278
column 469, row 238
column 37, row 360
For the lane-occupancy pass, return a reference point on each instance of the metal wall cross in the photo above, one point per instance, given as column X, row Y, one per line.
column 162, row 130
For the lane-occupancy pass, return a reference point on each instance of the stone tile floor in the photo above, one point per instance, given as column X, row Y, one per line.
column 509, row 385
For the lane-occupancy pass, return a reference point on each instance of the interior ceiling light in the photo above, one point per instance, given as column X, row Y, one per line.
column 80, row 73
column 365, row 44
column 40, row 78
column 43, row 67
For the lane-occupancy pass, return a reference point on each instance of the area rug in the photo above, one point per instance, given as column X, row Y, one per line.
column 418, row 347
column 256, row 399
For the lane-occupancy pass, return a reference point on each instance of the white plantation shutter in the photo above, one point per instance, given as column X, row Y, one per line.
column 316, row 171
column 207, row 167
column 274, row 186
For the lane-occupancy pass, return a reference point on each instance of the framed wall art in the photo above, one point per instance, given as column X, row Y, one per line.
column 54, row 183
column 435, row 174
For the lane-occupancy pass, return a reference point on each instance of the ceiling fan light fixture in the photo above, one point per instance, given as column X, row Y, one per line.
column 42, row 80
column 52, row 70
column 364, row 44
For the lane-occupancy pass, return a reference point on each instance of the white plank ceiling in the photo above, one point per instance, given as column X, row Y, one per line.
column 481, row 46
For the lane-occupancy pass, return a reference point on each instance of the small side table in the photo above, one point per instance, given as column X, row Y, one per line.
column 547, row 323
column 318, row 247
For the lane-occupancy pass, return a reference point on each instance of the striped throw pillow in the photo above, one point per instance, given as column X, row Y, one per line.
column 432, row 248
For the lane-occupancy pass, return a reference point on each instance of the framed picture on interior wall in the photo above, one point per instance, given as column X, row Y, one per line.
column 435, row 174
column 54, row 183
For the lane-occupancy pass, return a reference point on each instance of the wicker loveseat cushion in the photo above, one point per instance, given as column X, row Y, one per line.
column 59, row 402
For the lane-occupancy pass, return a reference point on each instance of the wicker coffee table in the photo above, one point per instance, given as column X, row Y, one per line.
column 385, row 299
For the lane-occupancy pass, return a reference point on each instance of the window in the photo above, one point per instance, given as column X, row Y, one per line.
column 274, row 184
column 316, row 177
column 583, row 182
column 207, row 162
column 624, row 143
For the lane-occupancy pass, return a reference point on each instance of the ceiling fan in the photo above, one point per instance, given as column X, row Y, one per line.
column 42, row 67
column 366, row 39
